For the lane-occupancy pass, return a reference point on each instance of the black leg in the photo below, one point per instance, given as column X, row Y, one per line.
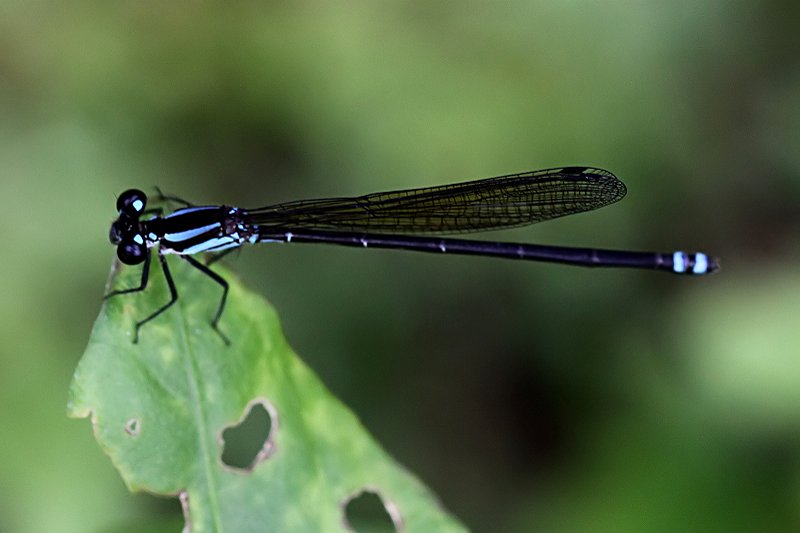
column 173, row 298
column 219, row 279
column 142, row 285
column 153, row 211
column 170, row 198
column 216, row 257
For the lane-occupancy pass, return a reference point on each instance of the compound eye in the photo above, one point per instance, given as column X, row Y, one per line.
column 131, row 253
column 131, row 202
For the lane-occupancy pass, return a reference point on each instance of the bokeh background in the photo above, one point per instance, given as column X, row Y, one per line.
column 528, row 397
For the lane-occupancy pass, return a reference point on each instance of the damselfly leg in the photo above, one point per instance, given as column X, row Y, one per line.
column 142, row 284
column 219, row 279
column 173, row 292
column 161, row 197
column 213, row 258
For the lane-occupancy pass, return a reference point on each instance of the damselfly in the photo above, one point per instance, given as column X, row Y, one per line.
column 397, row 219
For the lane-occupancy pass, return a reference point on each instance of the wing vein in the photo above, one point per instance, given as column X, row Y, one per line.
column 499, row 202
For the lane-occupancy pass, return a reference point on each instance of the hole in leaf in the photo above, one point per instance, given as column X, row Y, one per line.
column 248, row 442
column 366, row 512
column 132, row 427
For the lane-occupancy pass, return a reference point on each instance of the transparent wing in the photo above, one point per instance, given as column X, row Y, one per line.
column 500, row 202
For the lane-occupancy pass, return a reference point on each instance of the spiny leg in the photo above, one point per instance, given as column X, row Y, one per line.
column 173, row 298
column 216, row 257
column 153, row 211
column 142, row 285
column 219, row 279
column 168, row 197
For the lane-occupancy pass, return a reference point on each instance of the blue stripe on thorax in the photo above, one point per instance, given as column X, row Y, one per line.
column 192, row 233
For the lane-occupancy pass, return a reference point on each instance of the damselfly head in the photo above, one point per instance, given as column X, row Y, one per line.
column 126, row 231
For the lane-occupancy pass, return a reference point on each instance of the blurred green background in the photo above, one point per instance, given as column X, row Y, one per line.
column 528, row 397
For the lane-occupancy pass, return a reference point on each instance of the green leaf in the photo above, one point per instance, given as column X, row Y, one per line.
column 159, row 409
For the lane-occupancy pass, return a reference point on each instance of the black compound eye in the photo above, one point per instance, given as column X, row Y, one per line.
column 131, row 202
column 131, row 252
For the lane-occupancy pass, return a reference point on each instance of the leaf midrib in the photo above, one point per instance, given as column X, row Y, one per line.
column 201, row 423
